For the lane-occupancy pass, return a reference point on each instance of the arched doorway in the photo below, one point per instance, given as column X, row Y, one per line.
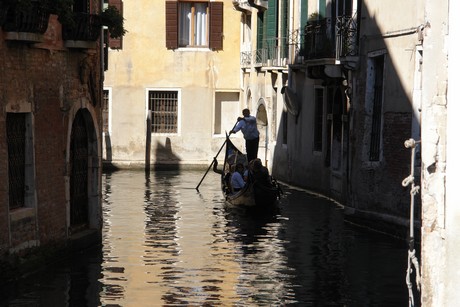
column 83, row 176
column 262, row 126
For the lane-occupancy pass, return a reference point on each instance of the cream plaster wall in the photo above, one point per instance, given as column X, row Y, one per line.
column 145, row 63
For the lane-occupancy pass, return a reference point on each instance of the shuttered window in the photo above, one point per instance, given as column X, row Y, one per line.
column 116, row 43
column 194, row 24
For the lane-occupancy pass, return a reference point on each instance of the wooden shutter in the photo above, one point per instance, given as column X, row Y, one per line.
column 260, row 30
column 171, row 25
column 116, row 43
column 216, row 26
column 272, row 18
column 322, row 8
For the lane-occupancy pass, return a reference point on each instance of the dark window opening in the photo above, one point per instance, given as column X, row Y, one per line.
column 16, row 141
column 318, row 132
column 374, row 152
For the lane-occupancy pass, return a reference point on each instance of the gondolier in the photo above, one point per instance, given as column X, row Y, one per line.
column 248, row 125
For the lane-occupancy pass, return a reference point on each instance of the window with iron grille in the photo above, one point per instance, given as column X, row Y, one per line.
column 105, row 111
column 318, row 136
column 164, row 108
column 376, row 129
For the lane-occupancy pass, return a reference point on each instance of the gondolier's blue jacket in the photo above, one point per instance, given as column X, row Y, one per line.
column 249, row 128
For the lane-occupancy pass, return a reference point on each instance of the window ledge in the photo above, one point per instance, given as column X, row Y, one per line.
column 21, row 213
column 193, row 49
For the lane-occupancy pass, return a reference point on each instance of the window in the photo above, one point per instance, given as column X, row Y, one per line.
column 376, row 129
column 226, row 108
column 194, row 24
column 318, row 136
column 21, row 185
column 105, row 110
column 164, row 106
column 284, row 123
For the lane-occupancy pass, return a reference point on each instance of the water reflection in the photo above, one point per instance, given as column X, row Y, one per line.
column 165, row 244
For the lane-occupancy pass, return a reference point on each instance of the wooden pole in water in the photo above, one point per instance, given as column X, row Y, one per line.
column 148, row 141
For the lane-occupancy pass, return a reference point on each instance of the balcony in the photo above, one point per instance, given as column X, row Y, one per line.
column 334, row 40
column 319, row 42
column 247, row 5
column 259, row 4
column 242, row 6
column 24, row 24
column 83, row 31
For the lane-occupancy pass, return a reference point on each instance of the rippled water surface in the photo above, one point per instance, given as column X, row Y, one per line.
column 165, row 244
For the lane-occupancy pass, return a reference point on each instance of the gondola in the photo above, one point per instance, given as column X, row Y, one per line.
column 254, row 194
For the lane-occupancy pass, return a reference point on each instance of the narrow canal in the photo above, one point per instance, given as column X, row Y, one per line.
column 165, row 244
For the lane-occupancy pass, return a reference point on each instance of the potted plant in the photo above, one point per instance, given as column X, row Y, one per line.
column 113, row 19
column 73, row 21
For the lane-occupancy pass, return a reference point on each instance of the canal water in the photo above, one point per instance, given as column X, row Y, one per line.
column 166, row 244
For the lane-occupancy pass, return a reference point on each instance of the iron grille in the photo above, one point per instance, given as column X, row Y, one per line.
column 164, row 107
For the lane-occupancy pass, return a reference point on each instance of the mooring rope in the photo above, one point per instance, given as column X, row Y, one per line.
column 412, row 259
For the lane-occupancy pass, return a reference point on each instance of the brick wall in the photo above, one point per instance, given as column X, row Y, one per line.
column 46, row 82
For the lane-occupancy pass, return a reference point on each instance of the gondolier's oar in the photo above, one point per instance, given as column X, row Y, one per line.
column 214, row 158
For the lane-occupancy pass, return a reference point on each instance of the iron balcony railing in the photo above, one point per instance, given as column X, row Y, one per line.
column 319, row 42
column 346, row 31
column 276, row 52
column 85, row 27
column 330, row 38
column 320, row 39
column 31, row 19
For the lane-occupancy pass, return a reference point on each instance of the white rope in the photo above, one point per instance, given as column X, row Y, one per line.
column 411, row 258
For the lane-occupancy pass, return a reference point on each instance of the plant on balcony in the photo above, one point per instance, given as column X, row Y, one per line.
column 112, row 18
column 70, row 20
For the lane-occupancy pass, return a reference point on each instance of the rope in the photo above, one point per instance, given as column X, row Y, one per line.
column 411, row 258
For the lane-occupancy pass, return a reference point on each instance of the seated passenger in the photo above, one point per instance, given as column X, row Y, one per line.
column 237, row 180
column 260, row 173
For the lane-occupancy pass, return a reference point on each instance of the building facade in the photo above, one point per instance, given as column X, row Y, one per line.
column 50, row 127
column 332, row 83
column 360, row 105
column 173, row 87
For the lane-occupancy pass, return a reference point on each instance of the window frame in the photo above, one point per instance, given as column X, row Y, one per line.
column 214, row 27
column 192, row 37
column 179, row 103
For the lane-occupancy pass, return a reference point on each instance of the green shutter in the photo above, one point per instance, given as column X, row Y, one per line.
column 284, row 27
column 322, row 8
column 260, row 30
column 303, row 13
column 272, row 16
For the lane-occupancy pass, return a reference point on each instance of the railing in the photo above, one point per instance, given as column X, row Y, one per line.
column 346, row 37
column 325, row 40
column 33, row 19
column 320, row 39
column 85, row 27
column 245, row 59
